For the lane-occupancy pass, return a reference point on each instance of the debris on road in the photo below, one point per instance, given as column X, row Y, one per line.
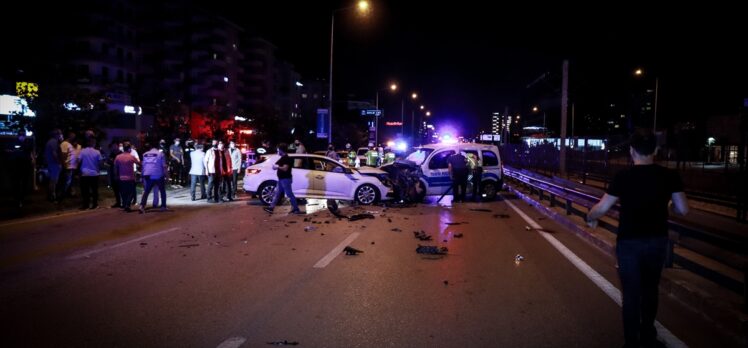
column 372, row 243
column 432, row 250
column 528, row 228
column 458, row 235
column 519, row 258
column 307, row 219
column 421, row 235
column 309, row 228
column 446, row 282
column 502, row 216
column 292, row 222
column 143, row 244
column 481, row 209
column 445, row 241
column 360, row 217
column 389, row 220
column 351, row 251
column 286, row 236
column 189, row 245
column 454, row 223
column 396, row 230
column 283, row 343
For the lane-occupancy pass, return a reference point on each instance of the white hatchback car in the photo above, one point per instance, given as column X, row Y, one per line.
column 316, row 176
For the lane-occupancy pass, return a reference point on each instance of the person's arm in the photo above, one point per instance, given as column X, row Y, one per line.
column 679, row 203
column 600, row 209
column 165, row 165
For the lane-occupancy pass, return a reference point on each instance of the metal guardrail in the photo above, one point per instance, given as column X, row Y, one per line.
column 561, row 192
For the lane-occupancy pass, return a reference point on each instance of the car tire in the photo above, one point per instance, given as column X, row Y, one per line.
column 266, row 192
column 490, row 189
column 366, row 194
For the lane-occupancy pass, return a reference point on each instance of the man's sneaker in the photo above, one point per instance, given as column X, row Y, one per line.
column 268, row 210
column 164, row 209
column 142, row 209
column 296, row 212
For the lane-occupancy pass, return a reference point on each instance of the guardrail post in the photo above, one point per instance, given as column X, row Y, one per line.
column 553, row 200
column 540, row 195
column 669, row 254
column 568, row 206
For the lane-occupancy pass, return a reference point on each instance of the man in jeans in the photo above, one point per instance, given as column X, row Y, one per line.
column 236, row 166
column 645, row 191
column 90, row 164
column 197, row 172
column 283, row 166
column 154, row 171
column 124, row 172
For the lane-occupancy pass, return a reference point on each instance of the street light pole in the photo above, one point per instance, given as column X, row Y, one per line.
column 363, row 7
column 657, row 89
column 329, row 94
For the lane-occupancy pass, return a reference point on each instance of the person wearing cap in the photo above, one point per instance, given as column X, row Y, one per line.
column 476, row 171
column 458, row 172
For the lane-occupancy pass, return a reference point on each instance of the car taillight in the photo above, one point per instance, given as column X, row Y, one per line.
column 253, row 171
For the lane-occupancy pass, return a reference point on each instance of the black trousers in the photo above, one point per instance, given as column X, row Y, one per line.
column 89, row 191
column 640, row 263
column 459, row 184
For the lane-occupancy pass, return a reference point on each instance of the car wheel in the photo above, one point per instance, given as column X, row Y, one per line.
column 266, row 192
column 489, row 190
column 366, row 194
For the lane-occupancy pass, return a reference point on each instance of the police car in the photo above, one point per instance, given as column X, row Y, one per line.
column 432, row 161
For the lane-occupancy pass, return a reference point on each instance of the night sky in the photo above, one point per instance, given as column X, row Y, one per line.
column 467, row 60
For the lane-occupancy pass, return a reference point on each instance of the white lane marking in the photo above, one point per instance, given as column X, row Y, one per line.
column 608, row 288
column 96, row 251
column 323, row 262
column 233, row 342
column 42, row 218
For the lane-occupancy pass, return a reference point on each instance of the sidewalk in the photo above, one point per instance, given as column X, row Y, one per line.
column 36, row 204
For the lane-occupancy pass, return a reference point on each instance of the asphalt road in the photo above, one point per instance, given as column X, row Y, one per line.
column 230, row 275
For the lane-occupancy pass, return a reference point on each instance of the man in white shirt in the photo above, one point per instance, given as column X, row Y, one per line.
column 197, row 171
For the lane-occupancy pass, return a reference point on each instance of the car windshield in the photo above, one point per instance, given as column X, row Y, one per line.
column 419, row 156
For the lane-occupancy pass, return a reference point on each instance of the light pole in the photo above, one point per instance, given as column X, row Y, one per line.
column 363, row 8
column 393, row 88
column 640, row 72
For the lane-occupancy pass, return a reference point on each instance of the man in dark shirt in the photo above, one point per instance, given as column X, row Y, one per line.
column 21, row 155
column 283, row 166
column 458, row 172
column 645, row 191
